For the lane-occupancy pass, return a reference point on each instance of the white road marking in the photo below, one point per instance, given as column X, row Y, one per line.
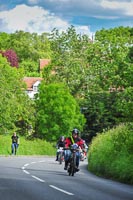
column 26, row 165
column 35, row 177
column 23, row 168
column 41, row 161
column 26, row 171
column 64, row 191
column 38, row 179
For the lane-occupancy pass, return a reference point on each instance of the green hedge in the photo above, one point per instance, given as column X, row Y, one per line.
column 111, row 154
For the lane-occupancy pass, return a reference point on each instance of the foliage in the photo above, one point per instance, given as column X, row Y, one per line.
column 30, row 68
column 100, row 111
column 109, row 78
column 11, row 57
column 124, row 104
column 4, row 40
column 69, row 59
column 98, row 73
column 30, row 46
column 57, row 112
column 111, row 154
column 130, row 54
column 14, row 104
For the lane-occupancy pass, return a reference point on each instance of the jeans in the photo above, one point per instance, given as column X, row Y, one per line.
column 14, row 148
column 67, row 155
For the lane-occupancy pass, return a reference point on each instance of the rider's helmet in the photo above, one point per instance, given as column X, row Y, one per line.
column 62, row 138
column 75, row 131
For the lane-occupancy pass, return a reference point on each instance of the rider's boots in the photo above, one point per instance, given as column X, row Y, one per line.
column 56, row 158
column 76, row 169
column 66, row 165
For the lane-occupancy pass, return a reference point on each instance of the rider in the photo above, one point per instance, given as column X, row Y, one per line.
column 74, row 139
column 84, row 151
column 85, row 148
column 60, row 143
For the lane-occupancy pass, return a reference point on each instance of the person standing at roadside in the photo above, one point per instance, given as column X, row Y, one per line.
column 15, row 143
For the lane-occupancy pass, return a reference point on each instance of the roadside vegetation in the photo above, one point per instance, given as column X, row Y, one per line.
column 111, row 154
column 27, row 147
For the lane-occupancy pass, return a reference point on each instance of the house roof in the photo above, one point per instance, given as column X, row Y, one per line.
column 43, row 63
column 30, row 81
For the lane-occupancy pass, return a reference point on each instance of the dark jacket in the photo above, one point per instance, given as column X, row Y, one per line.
column 15, row 139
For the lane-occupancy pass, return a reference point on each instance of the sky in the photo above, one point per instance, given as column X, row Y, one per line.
column 87, row 16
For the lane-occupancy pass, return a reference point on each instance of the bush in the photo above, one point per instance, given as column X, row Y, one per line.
column 111, row 154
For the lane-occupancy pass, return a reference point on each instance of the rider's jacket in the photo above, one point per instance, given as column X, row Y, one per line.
column 60, row 144
column 69, row 141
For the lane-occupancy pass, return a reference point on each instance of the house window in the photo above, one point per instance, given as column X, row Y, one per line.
column 29, row 92
column 35, row 88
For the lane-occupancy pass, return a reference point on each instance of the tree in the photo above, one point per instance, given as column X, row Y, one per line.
column 57, row 112
column 14, row 103
column 30, row 68
column 11, row 57
column 69, row 59
column 110, row 78
column 4, row 40
column 30, row 46
column 130, row 54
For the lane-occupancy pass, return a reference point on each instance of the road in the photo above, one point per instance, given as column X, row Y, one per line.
column 42, row 178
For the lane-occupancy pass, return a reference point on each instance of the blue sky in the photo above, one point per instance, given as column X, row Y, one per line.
column 87, row 16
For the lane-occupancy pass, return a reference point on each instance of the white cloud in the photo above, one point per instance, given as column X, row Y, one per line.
column 84, row 30
column 34, row 19
column 126, row 7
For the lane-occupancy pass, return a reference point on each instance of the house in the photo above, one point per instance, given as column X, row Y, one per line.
column 32, row 84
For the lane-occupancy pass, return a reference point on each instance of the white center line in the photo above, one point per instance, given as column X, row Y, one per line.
column 26, row 171
column 23, row 168
column 38, row 179
column 35, row 177
column 64, row 191
column 26, row 165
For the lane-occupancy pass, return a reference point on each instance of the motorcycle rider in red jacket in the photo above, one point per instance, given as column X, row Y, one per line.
column 74, row 139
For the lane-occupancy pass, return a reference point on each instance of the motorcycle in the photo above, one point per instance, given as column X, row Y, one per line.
column 83, row 154
column 72, row 162
column 60, row 152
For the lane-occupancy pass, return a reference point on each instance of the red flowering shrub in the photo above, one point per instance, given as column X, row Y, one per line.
column 11, row 57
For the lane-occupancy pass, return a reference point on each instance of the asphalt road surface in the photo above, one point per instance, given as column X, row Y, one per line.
column 42, row 178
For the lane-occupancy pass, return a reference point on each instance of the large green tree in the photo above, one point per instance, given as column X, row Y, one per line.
column 110, row 84
column 30, row 46
column 69, row 59
column 57, row 112
column 14, row 103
